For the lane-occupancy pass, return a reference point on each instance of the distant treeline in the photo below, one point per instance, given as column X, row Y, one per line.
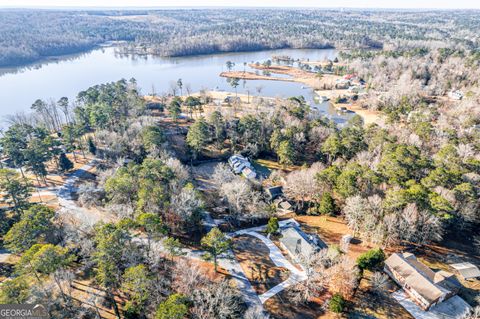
column 30, row 35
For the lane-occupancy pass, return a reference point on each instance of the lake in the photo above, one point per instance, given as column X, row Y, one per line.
column 66, row 76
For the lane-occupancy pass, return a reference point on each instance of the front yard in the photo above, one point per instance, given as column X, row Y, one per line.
column 252, row 254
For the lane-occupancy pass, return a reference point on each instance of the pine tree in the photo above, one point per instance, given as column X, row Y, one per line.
column 64, row 163
column 91, row 146
column 327, row 205
column 272, row 226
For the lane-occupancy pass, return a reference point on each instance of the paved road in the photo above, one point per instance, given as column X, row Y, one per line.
column 69, row 206
column 68, row 188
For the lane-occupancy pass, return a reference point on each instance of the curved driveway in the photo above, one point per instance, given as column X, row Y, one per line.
column 275, row 254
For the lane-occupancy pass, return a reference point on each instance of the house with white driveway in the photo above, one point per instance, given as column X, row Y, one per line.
column 298, row 243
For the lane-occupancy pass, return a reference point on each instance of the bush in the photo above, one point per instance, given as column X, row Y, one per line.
column 371, row 259
column 337, row 303
column 175, row 307
column 272, row 226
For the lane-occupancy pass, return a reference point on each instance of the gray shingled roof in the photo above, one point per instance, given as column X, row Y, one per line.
column 297, row 242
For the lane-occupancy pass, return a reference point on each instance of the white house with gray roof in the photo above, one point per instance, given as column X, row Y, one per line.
column 241, row 165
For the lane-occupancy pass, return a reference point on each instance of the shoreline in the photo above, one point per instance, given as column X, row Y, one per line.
column 310, row 79
column 56, row 57
column 368, row 116
column 296, row 75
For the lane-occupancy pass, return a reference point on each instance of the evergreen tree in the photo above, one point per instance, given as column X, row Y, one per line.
column 198, row 136
column 91, row 146
column 272, row 226
column 216, row 243
column 175, row 307
column 33, row 227
column 17, row 190
column 64, row 163
column 327, row 204
column 14, row 291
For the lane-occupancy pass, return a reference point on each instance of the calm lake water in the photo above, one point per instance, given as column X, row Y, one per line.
column 20, row 87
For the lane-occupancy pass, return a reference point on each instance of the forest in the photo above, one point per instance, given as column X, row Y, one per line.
column 116, row 204
column 409, row 185
column 47, row 33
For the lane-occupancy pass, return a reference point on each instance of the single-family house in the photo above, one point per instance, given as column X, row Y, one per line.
column 467, row 270
column 342, row 84
column 424, row 286
column 298, row 243
column 455, row 94
column 241, row 165
column 274, row 192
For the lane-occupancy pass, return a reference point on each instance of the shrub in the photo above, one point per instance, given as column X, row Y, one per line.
column 371, row 259
column 175, row 307
column 272, row 226
column 337, row 303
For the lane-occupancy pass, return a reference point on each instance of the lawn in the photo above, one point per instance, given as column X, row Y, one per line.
column 253, row 256
column 270, row 164
column 280, row 307
column 367, row 304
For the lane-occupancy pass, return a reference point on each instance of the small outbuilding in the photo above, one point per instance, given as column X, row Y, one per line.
column 455, row 94
column 467, row 270
column 283, row 206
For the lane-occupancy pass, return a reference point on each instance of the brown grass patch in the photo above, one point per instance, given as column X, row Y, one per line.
column 253, row 256
column 281, row 307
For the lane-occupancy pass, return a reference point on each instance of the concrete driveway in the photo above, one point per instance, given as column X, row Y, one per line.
column 452, row 308
column 275, row 254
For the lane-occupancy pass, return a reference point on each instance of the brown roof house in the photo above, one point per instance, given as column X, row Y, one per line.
column 424, row 286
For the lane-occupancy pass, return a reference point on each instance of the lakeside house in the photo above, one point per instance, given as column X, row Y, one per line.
column 424, row 286
column 298, row 243
column 241, row 165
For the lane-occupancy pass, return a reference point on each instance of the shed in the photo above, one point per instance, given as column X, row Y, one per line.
column 467, row 270
column 247, row 172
